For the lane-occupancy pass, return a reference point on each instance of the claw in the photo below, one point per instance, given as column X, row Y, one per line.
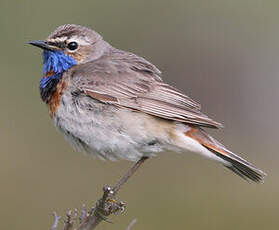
column 121, row 208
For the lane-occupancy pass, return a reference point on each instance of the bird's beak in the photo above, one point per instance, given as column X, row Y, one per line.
column 41, row 44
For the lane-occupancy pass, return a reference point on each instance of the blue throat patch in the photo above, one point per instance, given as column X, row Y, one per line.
column 55, row 62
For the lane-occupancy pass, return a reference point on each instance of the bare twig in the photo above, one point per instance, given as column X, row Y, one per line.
column 68, row 223
column 104, row 207
column 83, row 214
column 131, row 224
column 56, row 221
column 88, row 220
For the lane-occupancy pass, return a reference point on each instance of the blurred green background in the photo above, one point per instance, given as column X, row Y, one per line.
column 224, row 54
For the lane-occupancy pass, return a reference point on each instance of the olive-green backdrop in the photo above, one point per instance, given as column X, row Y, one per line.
column 224, row 54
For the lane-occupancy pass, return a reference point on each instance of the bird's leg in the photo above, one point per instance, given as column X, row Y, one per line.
column 129, row 174
column 108, row 204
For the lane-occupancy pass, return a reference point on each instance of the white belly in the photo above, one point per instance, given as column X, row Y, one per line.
column 105, row 130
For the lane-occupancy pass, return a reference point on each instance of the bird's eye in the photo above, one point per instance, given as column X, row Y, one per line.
column 72, row 46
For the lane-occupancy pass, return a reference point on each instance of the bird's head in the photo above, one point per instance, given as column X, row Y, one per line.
column 69, row 45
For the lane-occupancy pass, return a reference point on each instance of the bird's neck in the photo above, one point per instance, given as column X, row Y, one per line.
column 55, row 64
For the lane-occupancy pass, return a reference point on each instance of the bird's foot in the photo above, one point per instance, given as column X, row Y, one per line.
column 108, row 204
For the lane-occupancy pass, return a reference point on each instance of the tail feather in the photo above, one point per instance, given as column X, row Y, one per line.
column 233, row 162
column 241, row 167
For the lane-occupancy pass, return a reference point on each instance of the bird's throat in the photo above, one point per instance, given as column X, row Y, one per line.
column 55, row 64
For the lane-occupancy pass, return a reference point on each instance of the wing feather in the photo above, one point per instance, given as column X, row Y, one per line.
column 125, row 84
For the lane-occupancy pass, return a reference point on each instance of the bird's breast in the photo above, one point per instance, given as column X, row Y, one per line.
column 52, row 86
column 55, row 98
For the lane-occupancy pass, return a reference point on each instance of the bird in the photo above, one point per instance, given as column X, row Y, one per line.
column 114, row 105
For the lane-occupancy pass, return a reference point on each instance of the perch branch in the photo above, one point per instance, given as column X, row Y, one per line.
column 107, row 205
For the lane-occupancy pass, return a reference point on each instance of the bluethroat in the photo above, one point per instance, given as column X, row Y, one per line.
column 114, row 104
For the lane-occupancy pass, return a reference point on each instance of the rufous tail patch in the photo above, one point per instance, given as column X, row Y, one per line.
column 204, row 139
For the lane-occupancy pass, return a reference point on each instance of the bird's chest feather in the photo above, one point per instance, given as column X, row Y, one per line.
column 55, row 98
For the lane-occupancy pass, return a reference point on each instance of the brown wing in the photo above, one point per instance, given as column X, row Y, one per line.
column 136, row 84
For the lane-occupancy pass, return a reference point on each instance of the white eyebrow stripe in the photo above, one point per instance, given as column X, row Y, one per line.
column 80, row 41
column 59, row 39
